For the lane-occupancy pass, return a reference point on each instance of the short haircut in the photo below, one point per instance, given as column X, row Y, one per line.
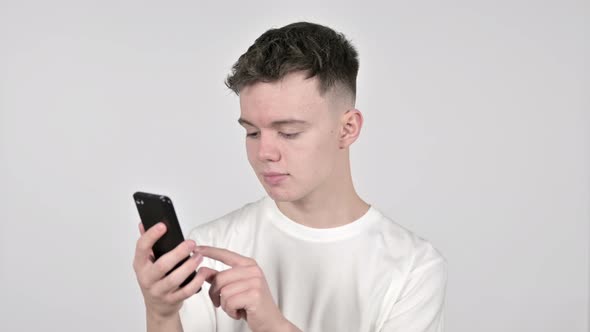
column 302, row 46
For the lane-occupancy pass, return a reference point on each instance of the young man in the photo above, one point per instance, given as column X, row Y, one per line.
column 312, row 255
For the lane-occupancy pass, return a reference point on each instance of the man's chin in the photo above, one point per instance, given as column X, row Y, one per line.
column 279, row 195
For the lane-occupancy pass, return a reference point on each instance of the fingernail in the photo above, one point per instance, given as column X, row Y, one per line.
column 161, row 226
column 191, row 245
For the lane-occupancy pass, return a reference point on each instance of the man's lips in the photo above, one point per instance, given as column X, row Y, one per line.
column 265, row 174
column 274, row 177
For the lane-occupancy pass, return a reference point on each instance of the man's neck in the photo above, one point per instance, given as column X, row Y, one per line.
column 329, row 212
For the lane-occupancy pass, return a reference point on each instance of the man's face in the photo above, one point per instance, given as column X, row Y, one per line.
column 293, row 131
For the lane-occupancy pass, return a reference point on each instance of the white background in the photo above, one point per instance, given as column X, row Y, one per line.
column 476, row 137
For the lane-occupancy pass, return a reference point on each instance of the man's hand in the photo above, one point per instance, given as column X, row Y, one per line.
column 162, row 295
column 242, row 291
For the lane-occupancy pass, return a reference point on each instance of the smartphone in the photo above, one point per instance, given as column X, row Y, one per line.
column 153, row 209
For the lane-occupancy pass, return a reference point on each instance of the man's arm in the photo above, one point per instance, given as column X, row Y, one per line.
column 290, row 327
column 159, row 324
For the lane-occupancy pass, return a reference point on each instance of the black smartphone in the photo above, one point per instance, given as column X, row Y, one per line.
column 153, row 209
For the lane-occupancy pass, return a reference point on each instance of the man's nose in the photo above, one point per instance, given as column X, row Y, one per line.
column 268, row 148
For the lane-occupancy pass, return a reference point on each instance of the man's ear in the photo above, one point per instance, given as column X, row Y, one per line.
column 350, row 127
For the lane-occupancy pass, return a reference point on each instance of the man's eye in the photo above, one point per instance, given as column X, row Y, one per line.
column 285, row 135
column 289, row 136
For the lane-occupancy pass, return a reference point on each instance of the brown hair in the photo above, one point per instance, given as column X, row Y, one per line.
column 300, row 46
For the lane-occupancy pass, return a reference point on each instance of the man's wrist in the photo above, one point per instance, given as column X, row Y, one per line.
column 283, row 325
column 157, row 322
column 287, row 326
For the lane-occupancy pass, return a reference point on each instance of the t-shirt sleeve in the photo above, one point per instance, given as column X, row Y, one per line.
column 420, row 305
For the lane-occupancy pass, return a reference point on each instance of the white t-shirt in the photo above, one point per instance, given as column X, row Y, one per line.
column 368, row 275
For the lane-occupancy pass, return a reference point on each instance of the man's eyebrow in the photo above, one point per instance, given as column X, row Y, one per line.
column 276, row 123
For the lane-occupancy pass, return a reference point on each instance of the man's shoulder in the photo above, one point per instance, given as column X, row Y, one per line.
column 405, row 244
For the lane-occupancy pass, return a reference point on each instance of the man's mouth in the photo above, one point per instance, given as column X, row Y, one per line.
column 274, row 178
